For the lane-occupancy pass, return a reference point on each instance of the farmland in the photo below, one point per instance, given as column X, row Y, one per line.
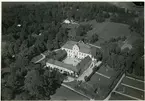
column 129, row 88
column 106, row 30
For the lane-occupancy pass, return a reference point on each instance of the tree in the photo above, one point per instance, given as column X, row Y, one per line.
column 49, row 45
column 7, row 94
column 86, row 78
column 33, row 82
column 11, row 49
column 94, row 38
column 23, row 96
column 100, row 19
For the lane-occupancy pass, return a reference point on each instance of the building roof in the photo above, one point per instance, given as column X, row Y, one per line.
column 61, row 64
column 82, row 66
column 84, row 48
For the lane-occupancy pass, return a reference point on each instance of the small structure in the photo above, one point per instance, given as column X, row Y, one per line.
column 67, row 21
column 19, row 25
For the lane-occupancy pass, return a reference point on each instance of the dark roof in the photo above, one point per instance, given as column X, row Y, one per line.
column 61, row 64
column 84, row 48
column 84, row 64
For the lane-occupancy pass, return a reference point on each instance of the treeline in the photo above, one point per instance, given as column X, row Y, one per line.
column 28, row 30
column 29, row 81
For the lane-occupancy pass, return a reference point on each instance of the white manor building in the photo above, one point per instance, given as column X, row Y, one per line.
column 79, row 50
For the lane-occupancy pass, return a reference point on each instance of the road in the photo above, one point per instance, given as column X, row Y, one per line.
column 108, row 97
column 94, row 45
column 43, row 57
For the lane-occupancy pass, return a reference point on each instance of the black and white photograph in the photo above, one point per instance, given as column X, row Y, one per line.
column 72, row 50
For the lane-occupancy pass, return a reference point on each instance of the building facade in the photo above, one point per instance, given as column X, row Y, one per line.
column 79, row 50
column 74, row 49
column 62, row 67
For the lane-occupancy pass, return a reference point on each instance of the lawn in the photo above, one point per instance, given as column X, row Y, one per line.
column 133, row 83
column 107, row 30
column 63, row 93
column 125, row 89
column 97, row 79
column 107, row 71
column 117, row 96
column 73, row 61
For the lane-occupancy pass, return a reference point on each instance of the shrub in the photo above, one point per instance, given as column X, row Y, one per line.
column 95, row 69
column 86, row 79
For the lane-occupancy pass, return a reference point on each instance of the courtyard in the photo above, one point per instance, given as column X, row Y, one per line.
column 71, row 61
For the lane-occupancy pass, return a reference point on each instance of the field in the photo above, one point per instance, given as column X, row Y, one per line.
column 107, row 71
column 107, row 30
column 129, row 88
column 117, row 96
column 65, row 94
column 106, row 74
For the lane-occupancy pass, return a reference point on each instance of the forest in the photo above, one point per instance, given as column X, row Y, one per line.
column 30, row 29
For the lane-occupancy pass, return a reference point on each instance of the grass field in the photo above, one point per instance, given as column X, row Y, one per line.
column 107, row 71
column 132, row 92
column 133, row 83
column 117, row 96
column 106, row 74
column 131, row 88
column 99, row 80
column 71, row 61
column 65, row 94
column 107, row 30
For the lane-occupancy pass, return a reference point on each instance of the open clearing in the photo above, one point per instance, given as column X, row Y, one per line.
column 107, row 30
column 107, row 71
